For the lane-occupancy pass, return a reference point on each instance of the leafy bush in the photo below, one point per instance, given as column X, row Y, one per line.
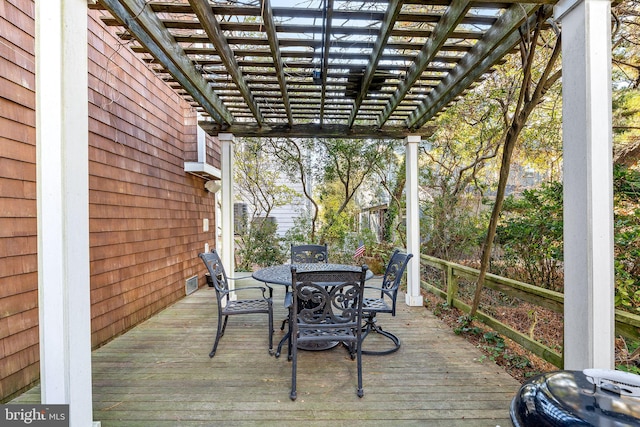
column 259, row 246
column 627, row 237
column 452, row 227
column 531, row 235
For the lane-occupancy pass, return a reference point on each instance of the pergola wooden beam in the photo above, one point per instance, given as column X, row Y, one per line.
column 317, row 13
column 272, row 37
column 328, row 16
column 499, row 40
column 148, row 29
column 313, row 130
column 205, row 15
column 449, row 21
column 296, row 29
column 393, row 10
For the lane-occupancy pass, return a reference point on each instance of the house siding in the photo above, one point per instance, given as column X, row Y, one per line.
column 145, row 212
column 18, row 240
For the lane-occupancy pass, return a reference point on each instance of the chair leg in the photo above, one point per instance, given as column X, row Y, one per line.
column 360, row 390
column 285, row 338
column 294, row 366
column 281, row 343
column 219, row 333
column 270, row 330
column 289, row 354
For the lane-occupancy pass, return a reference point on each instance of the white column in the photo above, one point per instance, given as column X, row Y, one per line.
column 201, row 136
column 63, row 206
column 588, row 181
column 227, row 250
column 413, row 297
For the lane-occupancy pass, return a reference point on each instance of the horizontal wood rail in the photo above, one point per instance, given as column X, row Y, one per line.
column 627, row 324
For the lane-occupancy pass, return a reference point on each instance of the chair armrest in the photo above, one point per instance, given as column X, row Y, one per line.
column 261, row 288
column 249, row 277
column 238, row 278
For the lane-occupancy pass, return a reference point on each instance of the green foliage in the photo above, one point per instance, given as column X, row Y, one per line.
column 338, row 218
column 628, row 368
column 300, row 232
column 345, row 165
column 452, row 229
column 531, row 235
column 394, row 230
column 626, row 116
column 627, row 238
column 465, row 326
column 441, row 308
column 495, row 345
column 627, row 355
column 259, row 246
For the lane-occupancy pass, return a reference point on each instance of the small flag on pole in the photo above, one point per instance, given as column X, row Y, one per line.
column 359, row 250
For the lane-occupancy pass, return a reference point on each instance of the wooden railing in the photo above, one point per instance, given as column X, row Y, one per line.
column 627, row 324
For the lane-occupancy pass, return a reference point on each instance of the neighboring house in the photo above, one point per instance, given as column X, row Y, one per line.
column 146, row 213
column 372, row 218
column 286, row 215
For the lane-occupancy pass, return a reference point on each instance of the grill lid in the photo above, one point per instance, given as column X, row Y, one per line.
column 578, row 398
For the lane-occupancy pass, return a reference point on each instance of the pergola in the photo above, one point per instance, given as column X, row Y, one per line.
column 320, row 69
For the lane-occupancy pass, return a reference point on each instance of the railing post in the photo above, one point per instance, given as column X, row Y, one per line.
column 452, row 285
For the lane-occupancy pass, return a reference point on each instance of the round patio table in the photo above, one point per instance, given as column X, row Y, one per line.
column 281, row 275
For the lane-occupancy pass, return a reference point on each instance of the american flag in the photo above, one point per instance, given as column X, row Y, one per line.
column 359, row 250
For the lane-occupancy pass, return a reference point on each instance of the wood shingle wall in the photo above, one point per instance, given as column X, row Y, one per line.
column 146, row 213
column 19, row 351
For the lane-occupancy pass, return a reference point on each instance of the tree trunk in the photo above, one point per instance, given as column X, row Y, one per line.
column 526, row 105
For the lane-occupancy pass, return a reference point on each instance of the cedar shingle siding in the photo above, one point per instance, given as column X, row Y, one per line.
column 145, row 211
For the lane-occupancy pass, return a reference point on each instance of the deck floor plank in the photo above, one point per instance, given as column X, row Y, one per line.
column 159, row 374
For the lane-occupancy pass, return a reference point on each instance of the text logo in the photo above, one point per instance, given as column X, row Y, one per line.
column 34, row 415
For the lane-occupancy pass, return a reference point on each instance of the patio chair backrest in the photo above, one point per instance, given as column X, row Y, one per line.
column 393, row 275
column 216, row 270
column 327, row 299
column 309, row 253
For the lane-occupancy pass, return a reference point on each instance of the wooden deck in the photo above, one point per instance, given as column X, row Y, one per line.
column 159, row 374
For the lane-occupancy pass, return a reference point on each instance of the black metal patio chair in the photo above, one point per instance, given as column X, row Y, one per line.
column 327, row 309
column 386, row 303
column 309, row 254
column 228, row 306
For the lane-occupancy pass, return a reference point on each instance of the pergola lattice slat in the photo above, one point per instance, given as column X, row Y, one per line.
column 213, row 30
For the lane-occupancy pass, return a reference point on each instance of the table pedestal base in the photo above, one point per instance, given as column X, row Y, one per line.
column 317, row 346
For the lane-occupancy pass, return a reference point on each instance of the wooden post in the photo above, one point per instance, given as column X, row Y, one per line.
column 413, row 297
column 452, row 285
column 227, row 249
column 62, row 167
column 588, row 183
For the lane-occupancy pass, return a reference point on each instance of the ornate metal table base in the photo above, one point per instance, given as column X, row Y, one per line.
column 312, row 346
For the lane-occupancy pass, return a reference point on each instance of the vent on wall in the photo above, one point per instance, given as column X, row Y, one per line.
column 191, row 285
